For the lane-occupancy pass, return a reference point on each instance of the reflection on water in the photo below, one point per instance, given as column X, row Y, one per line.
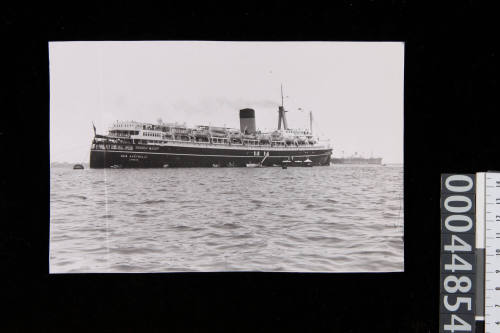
column 320, row 219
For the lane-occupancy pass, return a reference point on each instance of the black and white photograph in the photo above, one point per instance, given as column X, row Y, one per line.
column 211, row 156
column 325, row 167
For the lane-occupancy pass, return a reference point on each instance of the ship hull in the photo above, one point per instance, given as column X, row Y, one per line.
column 191, row 155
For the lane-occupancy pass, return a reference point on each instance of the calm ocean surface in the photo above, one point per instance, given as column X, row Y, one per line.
column 320, row 219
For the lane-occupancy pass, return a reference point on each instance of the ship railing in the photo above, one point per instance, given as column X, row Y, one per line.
column 110, row 146
column 207, row 144
column 240, row 146
column 119, row 136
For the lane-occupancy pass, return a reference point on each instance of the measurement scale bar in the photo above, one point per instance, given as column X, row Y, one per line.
column 480, row 248
column 492, row 253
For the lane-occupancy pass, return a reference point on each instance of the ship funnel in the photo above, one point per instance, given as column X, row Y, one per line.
column 247, row 121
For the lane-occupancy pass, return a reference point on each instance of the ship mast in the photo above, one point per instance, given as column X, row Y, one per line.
column 282, row 95
column 311, row 121
column 281, row 112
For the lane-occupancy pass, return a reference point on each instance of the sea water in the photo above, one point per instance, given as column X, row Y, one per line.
column 321, row 219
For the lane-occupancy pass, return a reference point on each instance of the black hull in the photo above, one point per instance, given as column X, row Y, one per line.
column 141, row 156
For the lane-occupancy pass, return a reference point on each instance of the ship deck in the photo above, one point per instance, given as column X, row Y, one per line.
column 232, row 146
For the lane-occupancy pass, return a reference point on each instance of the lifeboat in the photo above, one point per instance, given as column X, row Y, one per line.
column 301, row 139
column 264, row 138
column 285, row 164
column 249, row 136
column 234, row 132
column 201, row 135
column 218, row 132
column 201, row 132
column 276, row 136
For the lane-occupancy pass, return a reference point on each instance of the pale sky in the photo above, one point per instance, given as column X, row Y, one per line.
column 354, row 89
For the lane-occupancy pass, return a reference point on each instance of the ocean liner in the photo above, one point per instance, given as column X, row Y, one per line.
column 356, row 159
column 131, row 144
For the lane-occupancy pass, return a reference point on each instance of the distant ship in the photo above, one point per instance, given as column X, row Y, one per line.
column 142, row 145
column 357, row 160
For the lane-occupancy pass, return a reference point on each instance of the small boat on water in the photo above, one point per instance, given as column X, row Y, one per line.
column 284, row 164
column 215, row 165
column 116, row 166
column 253, row 165
column 308, row 163
column 165, row 165
column 78, row 167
